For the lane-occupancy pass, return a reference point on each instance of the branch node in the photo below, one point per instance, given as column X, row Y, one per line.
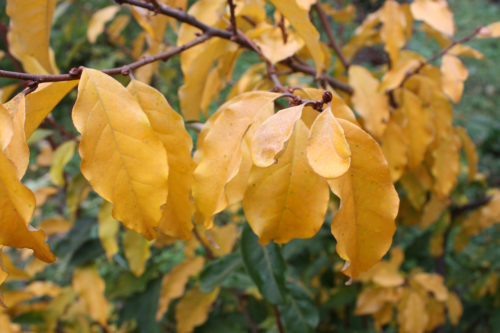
column 31, row 86
column 327, row 96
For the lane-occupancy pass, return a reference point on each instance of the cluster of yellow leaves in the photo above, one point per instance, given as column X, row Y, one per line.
column 74, row 308
column 421, row 299
column 289, row 165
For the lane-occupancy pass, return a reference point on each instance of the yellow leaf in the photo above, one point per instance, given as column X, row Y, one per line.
column 455, row 309
column 18, row 204
column 17, row 150
column 98, row 20
column 433, row 283
column 236, row 187
column 435, row 310
column 273, row 46
column 328, row 152
column 44, row 158
column 62, row 155
column 393, row 78
column 305, row 4
column 108, row 230
column 116, row 148
column 40, row 102
column 395, row 145
column 364, row 224
column 7, row 91
column 372, row 299
column 221, row 240
column 418, row 129
column 193, row 309
column 299, row 19
column 219, row 148
column 8, row 267
column 271, row 136
column 174, row 283
column 393, row 28
column 412, row 314
column 55, row 225
column 446, row 164
column 454, row 75
column 490, row 31
column 137, row 251
column 77, row 192
column 371, row 104
column 196, row 74
column 90, row 287
column 435, row 13
column 169, row 126
column 43, row 193
column 344, row 15
column 470, row 152
column 29, row 34
column 432, row 211
column 288, row 199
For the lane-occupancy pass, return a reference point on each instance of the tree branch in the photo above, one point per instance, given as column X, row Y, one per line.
column 281, row 329
column 75, row 73
column 439, row 55
column 232, row 7
column 306, row 69
column 333, row 43
column 3, row 34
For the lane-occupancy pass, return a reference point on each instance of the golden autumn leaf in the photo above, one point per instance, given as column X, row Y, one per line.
column 490, row 31
column 272, row 135
column 446, row 164
column 364, row 224
column 62, row 155
column 55, row 225
column 395, row 145
column 455, row 308
column 418, row 129
column 454, row 75
column 288, row 199
column 435, row 13
column 372, row 105
column 40, row 102
column 98, row 20
column 17, row 204
column 116, row 148
column 29, row 34
column 432, row 211
column 13, row 143
column 221, row 240
column 90, row 287
column 470, row 152
column 412, row 314
column 393, row 28
column 137, row 252
column 174, row 283
column 433, row 283
column 169, row 127
column 273, row 46
column 373, row 298
column 299, row 19
column 219, row 148
column 328, row 152
column 193, row 309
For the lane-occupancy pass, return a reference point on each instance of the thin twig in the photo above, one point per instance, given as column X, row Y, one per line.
column 3, row 34
column 208, row 252
column 333, row 43
column 281, row 25
column 439, row 55
column 281, row 329
column 232, row 7
column 75, row 73
column 254, row 328
column 311, row 71
column 459, row 210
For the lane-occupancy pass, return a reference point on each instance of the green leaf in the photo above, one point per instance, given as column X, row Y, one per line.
column 299, row 314
column 217, row 271
column 265, row 265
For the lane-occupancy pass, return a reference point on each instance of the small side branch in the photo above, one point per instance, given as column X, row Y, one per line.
column 333, row 43
column 75, row 73
column 440, row 54
column 232, row 18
